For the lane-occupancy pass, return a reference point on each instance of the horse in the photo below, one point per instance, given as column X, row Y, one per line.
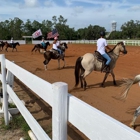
column 2, row 45
column 37, row 47
column 53, row 54
column 11, row 45
column 94, row 62
column 128, row 84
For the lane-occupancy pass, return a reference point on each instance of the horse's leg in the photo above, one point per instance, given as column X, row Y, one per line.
column 113, row 76
column 81, row 77
column 64, row 62
column 6, row 49
column 136, row 114
column 45, row 64
column 12, row 49
column 86, row 73
column 106, row 75
column 58, row 63
column 39, row 50
column 33, row 48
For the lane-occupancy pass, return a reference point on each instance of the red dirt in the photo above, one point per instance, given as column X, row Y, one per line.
column 101, row 98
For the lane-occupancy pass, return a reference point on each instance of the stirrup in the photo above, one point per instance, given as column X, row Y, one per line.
column 106, row 69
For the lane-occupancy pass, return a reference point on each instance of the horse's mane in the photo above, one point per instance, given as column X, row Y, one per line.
column 116, row 46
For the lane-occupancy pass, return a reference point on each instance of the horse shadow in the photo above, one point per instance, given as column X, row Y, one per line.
column 69, row 56
column 62, row 68
column 69, row 67
column 97, row 85
column 107, row 84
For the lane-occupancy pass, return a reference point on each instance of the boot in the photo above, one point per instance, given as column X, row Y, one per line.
column 106, row 69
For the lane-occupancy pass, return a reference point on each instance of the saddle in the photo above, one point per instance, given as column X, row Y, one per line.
column 55, row 52
column 100, row 58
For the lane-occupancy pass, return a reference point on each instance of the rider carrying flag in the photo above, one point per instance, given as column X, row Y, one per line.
column 43, row 42
column 56, row 44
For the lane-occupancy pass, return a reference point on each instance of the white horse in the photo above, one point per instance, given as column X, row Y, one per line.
column 128, row 83
column 90, row 62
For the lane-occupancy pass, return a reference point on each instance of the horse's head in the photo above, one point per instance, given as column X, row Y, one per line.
column 48, row 43
column 122, row 47
column 65, row 45
column 18, row 43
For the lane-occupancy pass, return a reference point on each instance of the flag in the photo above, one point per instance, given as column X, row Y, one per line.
column 52, row 34
column 49, row 35
column 37, row 33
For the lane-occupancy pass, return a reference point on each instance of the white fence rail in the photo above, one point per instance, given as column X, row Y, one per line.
column 113, row 42
column 65, row 107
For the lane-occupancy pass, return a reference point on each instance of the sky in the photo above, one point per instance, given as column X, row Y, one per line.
column 79, row 13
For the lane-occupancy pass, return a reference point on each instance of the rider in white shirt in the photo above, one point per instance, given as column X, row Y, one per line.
column 12, row 41
column 101, row 45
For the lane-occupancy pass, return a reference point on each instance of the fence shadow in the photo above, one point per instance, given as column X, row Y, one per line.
column 73, row 132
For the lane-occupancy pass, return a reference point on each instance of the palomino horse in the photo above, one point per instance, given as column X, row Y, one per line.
column 2, row 45
column 53, row 54
column 38, row 47
column 128, row 83
column 89, row 62
column 9, row 45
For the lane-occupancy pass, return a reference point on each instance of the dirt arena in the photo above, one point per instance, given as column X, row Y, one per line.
column 101, row 98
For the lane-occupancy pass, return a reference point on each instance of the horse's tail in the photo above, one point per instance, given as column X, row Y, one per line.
column 33, row 48
column 77, row 70
column 128, row 83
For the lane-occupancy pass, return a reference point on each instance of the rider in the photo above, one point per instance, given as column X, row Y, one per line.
column 56, row 44
column 12, row 42
column 101, row 46
column 58, row 41
column 43, row 42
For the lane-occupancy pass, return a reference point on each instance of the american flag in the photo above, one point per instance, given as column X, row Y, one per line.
column 52, row 34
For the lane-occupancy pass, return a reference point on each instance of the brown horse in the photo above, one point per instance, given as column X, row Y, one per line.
column 38, row 47
column 53, row 54
column 89, row 62
column 2, row 45
column 13, row 46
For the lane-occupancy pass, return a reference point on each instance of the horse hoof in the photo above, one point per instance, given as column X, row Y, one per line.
column 102, row 85
column 132, row 125
column 115, row 84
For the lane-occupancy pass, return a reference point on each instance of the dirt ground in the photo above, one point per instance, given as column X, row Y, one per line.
column 101, row 98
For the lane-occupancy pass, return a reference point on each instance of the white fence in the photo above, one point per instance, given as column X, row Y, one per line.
column 65, row 107
column 20, row 41
column 112, row 42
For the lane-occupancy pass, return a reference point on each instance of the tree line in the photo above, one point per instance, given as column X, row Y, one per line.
column 17, row 28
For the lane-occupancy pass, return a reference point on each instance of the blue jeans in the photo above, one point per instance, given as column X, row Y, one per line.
column 43, row 44
column 105, row 55
column 60, row 52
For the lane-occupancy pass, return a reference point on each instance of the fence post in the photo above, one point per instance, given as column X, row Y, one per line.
column 4, row 89
column 59, row 111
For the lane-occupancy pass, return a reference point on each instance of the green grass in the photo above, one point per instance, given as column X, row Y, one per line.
column 17, row 122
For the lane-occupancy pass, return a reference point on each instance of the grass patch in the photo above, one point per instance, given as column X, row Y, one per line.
column 17, row 122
